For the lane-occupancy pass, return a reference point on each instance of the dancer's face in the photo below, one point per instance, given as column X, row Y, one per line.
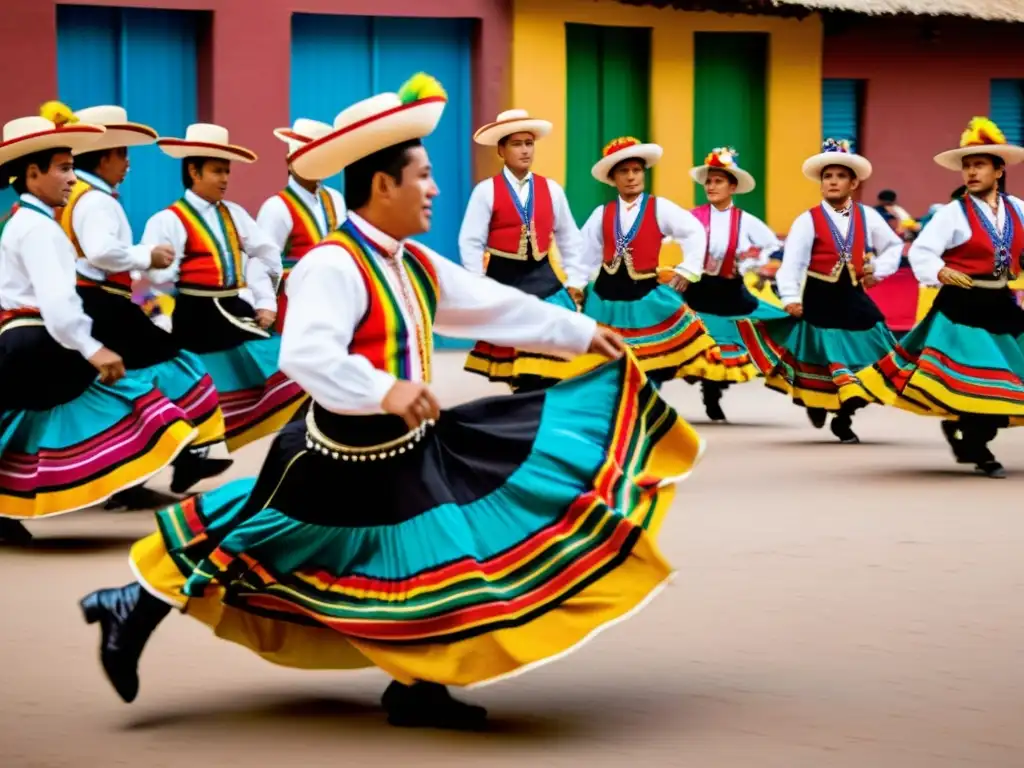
column 406, row 207
column 210, row 181
column 719, row 187
column 837, row 184
column 980, row 174
column 517, row 152
column 629, row 177
column 54, row 185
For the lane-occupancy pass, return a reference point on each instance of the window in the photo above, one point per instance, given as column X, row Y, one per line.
column 1006, row 108
column 841, row 105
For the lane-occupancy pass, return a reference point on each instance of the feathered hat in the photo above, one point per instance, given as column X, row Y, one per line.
column 724, row 159
column 624, row 148
column 55, row 127
column 836, row 152
column 982, row 137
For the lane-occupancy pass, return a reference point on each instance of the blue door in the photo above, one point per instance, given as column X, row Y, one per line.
column 145, row 61
column 840, row 110
column 1006, row 108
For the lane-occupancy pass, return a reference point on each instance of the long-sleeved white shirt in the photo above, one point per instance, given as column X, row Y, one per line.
column 754, row 233
column 476, row 227
column 947, row 229
column 275, row 219
column 673, row 221
column 796, row 257
column 104, row 234
column 37, row 269
column 166, row 227
column 327, row 300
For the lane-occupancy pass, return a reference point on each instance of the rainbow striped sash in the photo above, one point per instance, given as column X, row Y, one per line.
column 207, row 264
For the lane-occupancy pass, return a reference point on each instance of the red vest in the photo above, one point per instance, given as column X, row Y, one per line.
column 305, row 231
column 506, row 229
column 825, row 256
column 645, row 250
column 204, row 266
column 978, row 255
column 727, row 266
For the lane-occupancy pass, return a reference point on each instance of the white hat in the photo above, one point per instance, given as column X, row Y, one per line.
column 120, row 132
column 371, row 125
column 508, row 122
column 836, row 153
column 206, row 140
column 624, row 148
column 55, row 127
column 982, row 137
column 302, row 132
column 724, row 159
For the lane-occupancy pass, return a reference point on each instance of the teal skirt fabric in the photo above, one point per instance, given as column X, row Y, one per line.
column 185, row 382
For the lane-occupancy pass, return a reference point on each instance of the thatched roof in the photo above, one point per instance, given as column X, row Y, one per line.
column 991, row 10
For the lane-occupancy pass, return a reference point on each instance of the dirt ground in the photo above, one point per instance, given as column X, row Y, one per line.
column 836, row 606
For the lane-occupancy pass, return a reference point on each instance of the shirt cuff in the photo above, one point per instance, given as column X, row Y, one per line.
column 787, row 300
column 141, row 257
column 581, row 334
column 89, row 347
column 380, row 384
column 693, row 278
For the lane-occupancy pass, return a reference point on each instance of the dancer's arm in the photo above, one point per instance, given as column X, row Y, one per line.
column 592, row 236
column 761, row 237
column 476, row 226
column 887, row 245
column 567, row 236
column 96, row 223
column 938, row 235
column 681, row 225
column 796, row 258
column 258, row 246
column 275, row 221
column 164, row 228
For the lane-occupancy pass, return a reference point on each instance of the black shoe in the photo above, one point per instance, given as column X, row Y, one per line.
column 817, row 417
column 429, row 705
column 712, row 401
column 14, row 532
column 190, row 469
column 137, row 498
column 991, row 469
column 842, row 427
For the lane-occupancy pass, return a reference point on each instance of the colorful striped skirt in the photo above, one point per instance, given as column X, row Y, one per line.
column 499, row 538
column 965, row 357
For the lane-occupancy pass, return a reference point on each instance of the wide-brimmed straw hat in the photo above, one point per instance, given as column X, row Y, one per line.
column 724, row 159
column 508, row 122
column 302, row 132
column 206, row 140
column 836, row 152
column 120, row 131
column 624, row 148
column 55, row 127
column 982, row 137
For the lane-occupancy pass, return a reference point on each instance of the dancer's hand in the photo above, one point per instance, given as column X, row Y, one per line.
column 265, row 318
column 869, row 281
column 679, row 282
column 109, row 364
column 161, row 257
column 955, row 278
column 608, row 343
column 577, row 296
column 796, row 309
column 413, row 401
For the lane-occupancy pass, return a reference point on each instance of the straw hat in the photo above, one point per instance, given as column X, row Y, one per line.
column 724, row 159
column 624, row 148
column 206, row 140
column 302, row 132
column 120, row 132
column 55, row 127
column 836, row 153
column 371, row 125
column 982, row 137
column 508, row 122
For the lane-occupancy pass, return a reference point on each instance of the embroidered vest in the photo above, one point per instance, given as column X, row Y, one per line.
column 205, row 266
column 825, row 262
column 383, row 336
column 642, row 254
column 115, row 282
column 727, row 267
column 977, row 256
column 305, row 230
column 508, row 236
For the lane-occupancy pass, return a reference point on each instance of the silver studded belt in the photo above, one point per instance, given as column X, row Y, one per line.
column 316, row 440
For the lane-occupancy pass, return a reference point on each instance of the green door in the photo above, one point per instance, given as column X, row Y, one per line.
column 609, row 73
column 729, row 105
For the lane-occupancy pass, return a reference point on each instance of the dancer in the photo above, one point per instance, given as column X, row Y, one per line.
column 301, row 215
column 99, row 230
column 964, row 362
column 213, row 242
column 511, row 222
column 68, row 438
column 623, row 240
column 490, row 538
column 835, row 329
column 738, row 242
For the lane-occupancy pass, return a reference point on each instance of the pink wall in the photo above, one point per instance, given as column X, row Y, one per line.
column 924, row 83
column 244, row 80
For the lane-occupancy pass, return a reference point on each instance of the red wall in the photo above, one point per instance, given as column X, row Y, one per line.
column 925, row 81
column 245, row 67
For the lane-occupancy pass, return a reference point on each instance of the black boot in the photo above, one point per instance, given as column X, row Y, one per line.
column 817, row 417
column 842, row 427
column 13, row 532
column 429, row 705
column 193, row 466
column 711, row 391
column 139, row 497
column 127, row 617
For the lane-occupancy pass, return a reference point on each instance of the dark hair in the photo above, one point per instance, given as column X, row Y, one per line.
column 959, row 192
column 13, row 174
column 194, row 162
column 611, row 172
column 90, row 161
column 503, row 141
column 848, row 169
column 359, row 176
column 887, row 196
column 732, row 179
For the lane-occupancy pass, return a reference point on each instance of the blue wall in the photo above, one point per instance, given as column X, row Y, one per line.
column 145, row 61
column 1007, row 108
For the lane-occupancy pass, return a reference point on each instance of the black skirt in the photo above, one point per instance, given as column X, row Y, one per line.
column 36, row 372
column 121, row 325
column 991, row 309
column 536, row 278
column 203, row 324
column 621, row 287
column 719, row 295
column 840, row 305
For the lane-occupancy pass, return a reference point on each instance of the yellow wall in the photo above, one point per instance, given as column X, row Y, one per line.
column 794, row 90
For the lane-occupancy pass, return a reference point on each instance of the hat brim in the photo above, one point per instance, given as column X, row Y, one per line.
column 123, row 135
column 744, row 181
column 649, row 153
column 492, row 133
column 953, row 159
column 331, row 154
column 813, row 166
column 77, row 137
column 180, row 149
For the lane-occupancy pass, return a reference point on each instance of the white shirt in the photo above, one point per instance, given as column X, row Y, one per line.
column 673, row 221
column 796, row 257
column 754, row 233
column 165, row 227
column 327, row 300
column 476, row 227
column 104, row 234
column 275, row 219
column 37, row 269
column 947, row 229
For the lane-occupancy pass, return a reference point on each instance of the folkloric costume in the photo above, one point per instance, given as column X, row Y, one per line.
column 516, row 222
column 497, row 538
column 67, row 441
column 815, row 358
column 964, row 362
column 214, row 243
column 295, row 218
column 96, row 223
column 624, row 241
column 738, row 242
